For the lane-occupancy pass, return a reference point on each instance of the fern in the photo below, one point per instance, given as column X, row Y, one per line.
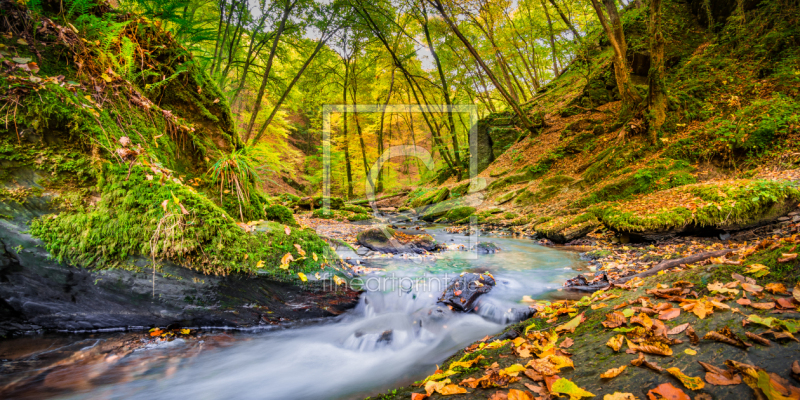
column 78, row 7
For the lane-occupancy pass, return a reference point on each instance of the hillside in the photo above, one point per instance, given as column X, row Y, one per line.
column 725, row 159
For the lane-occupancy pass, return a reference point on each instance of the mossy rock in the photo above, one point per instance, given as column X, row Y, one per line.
column 336, row 203
column 567, row 228
column 279, row 213
column 505, row 198
column 459, row 213
column 723, row 206
column 388, row 240
column 431, row 197
column 356, row 209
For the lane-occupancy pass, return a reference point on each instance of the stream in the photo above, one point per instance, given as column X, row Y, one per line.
column 394, row 336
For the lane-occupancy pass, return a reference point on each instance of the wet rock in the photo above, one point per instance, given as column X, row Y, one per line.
column 385, row 337
column 487, row 248
column 396, row 241
column 599, row 281
column 464, row 291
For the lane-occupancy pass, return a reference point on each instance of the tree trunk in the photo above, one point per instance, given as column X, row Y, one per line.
column 552, row 39
column 612, row 25
column 657, row 95
column 380, row 131
column 566, row 21
column 346, row 140
column 514, row 106
column 286, row 11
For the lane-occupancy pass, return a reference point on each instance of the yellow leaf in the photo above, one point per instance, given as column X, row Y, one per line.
column 451, row 389
column 432, row 386
column 757, row 270
column 314, row 256
column 302, row 276
column 260, row 264
column 620, row 396
column 287, row 258
column 615, row 342
column 613, row 372
column 338, row 280
column 185, row 331
column 299, row 249
column 465, row 364
column 690, row 352
column 513, row 370
column 571, row 325
column 569, row 388
column 691, row 383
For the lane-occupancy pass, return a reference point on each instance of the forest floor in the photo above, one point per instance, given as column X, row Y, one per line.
column 712, row 327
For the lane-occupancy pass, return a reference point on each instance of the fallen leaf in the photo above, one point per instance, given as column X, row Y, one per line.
column 287, row 230
column 615, row 342
column 775, row 288
column 302, row 277
column 752, row 288
column 567, row 343
column 690, row 352
column 613, row 372
column 720, row 288
column 643, row 320
column 670, row 313
column 614, row 320
column 514, row 394
column 787, row 257
column 651, row 347
column 725, row 335
column 757, row 270
column 620, row 396
column 763, row 306
column 692, row 335
column 758, row 339
column 565, row 386
column 785, row 303
column 451, row 389
column 796, row 293
column 678, row 329
column 744, row 301
column 418, row 396
column 691, row 383
column 667, row 392
column 641, row 361
column 571, row 325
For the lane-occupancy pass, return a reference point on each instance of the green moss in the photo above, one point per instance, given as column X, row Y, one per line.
column 459, row 213
column 717, row 204
column 139, row 217
column 279, row 213
column 661, row 174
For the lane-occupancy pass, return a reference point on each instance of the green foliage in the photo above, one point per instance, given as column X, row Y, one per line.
column 458, row 214
column 279, row 213
column 234, row 173
column 661, row 174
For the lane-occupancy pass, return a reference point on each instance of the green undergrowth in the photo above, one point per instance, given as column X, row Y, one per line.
column 787, row 273
column 660, row 174
column 167, row 220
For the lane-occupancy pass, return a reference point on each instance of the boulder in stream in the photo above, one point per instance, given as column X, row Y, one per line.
column 464, row 291
column 388, row 240
column 487, row 248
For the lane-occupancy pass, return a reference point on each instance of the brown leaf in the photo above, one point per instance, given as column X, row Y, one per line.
column 763, row 306
column 785, row 303
column 744, row 301
column 641, row 361
column 758, row 338
column 535, row 376
column 796, row 293
column 722, row 380
column 692, row 335
column 787, row 257
column 643, row 320
column 669, row 314
column 678, row 329
column 614, row 320
column 498, row 396
column 667, row 392
column 567, row 343
column 612, row 373
column 514, row 394
column 795, row 372
column 646, row 310
column 752, row 288
column 725, row 335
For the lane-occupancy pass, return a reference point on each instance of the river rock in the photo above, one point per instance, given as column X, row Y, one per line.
column 396, row 241
column 487, row 248
column 464, row 291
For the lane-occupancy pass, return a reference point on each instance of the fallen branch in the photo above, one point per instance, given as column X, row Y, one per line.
column 652, row 271
column 675, row 263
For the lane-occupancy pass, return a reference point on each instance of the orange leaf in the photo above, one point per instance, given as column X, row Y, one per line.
column 613, row 372
column 669, row 314
column 514, row 394
column 667, row 392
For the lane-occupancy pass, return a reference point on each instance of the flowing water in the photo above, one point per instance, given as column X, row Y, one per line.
column 394, row 336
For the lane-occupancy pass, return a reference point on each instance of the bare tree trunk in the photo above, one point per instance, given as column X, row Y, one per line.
column 657, row 95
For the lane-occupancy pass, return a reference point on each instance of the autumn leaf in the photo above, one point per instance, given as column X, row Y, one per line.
column 720, row 377
column 620, row 396
column 757, row 270
column 775, row 288
column 691, row 383
column 641, row 361
column 643, row 320
column 451, row 389
column 571, row 325
column 796, row 293
column 613, row 372
column 614, row 320
column 615, row 342
column 185, row 331
column 758, row 339
column 678, row 329
column 690, row 352
column 667, row 392
column 670, row 313
column 787, row 257
column 720, row 288
column 514, row 394
column 567, row 343
column 314, row 256
column 651, row 347
column 418, row 396
column 287, row 230
column 465, row 364
column 299, row 250
column 156, row 332
column 513, row 370
column 260, row 264
column 432, row 386
column 567, row 387
column 725, row 335
column 302, row 277
column 763, row 306
column 752, row 288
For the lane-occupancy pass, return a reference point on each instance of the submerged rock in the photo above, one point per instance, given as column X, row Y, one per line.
column 464, row 291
